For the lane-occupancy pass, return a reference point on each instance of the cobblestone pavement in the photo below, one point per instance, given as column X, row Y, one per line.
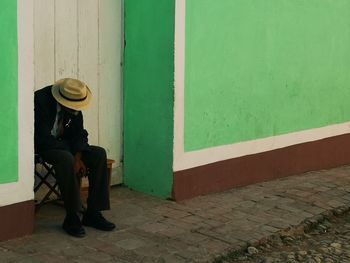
column 196, row 230
column 328, row 242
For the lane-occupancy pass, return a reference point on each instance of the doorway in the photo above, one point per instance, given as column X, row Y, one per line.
column 83, row 39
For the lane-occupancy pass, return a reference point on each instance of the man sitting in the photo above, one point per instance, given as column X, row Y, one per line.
column 62, row 141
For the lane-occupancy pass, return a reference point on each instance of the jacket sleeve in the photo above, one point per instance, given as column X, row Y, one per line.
column 79, row 141
column 43, row 139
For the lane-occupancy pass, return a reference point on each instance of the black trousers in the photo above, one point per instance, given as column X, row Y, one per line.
column 95, row 160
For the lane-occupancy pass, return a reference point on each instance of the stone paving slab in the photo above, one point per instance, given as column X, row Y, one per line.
column 196, row 230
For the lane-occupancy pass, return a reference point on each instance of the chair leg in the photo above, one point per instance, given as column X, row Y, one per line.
column 53, row 189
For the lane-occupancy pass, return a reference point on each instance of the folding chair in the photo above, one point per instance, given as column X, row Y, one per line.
column 45, row 177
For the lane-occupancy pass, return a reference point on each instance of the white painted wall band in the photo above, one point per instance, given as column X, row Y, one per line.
column 185, row 160
column 179, row 105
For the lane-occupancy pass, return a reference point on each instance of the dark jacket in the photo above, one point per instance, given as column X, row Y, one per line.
column 74, row 138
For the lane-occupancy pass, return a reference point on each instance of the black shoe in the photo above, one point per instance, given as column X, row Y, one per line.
column 96, row 220
column 73, row 226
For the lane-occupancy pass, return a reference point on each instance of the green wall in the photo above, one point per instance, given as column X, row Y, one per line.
column 9, row 86
column 148, row 96
column 259, row 68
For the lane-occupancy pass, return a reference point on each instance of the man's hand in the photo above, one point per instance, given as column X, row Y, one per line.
column 79, row 166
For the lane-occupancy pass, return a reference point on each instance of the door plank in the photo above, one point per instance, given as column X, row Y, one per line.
column 88, row 68
column 66, row 53
column 110, row 128
column 44, row 43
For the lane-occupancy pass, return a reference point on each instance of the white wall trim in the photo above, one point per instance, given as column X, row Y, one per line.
column 23, row 189
column 179, row 105
column 185, row 160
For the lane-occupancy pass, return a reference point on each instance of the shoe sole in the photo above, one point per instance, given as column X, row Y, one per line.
column 99, row 228
column 79, row 235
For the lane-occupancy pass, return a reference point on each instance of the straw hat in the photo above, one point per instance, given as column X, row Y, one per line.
column 72, row 93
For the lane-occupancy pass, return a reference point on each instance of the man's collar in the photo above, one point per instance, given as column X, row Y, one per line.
column 58, row 107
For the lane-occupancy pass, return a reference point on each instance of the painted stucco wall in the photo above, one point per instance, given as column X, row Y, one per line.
column 148, row 96
column 9, row 85
column 16, row 109
column 256, row 69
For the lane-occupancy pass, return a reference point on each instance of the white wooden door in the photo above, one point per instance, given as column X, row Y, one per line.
column 83, row 39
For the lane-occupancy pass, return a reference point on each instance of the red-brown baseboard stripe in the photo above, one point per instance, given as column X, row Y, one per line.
column 296, row 159
column 16, row 220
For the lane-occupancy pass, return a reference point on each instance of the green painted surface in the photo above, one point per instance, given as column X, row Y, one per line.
column 259, row 68
column 9, row 86
column 148, row 96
